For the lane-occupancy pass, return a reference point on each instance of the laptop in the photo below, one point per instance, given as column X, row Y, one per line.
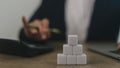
column 107, row 49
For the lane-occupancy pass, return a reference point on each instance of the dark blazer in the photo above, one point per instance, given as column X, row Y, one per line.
column 105, row 21
column 104, row 24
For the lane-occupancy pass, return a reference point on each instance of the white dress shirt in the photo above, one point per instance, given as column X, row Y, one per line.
column 78, row 15
column 118, row 41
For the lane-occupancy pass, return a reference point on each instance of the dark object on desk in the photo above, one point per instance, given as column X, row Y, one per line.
column 106, row 49
column 13, row 47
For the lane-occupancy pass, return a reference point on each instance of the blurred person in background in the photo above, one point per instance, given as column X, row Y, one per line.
column 91, row 20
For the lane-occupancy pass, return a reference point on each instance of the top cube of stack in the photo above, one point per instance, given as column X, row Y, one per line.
column 72, row 40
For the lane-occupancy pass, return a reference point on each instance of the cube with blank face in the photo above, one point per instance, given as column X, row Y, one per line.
column 82, row 59
column 61, row 59
column 71, row 59
column 78, row 49
column 67, row 50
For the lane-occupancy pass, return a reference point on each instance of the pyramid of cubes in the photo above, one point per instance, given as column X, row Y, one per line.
column 72, row 52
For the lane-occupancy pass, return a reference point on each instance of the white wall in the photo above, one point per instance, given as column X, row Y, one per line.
column 10, row 16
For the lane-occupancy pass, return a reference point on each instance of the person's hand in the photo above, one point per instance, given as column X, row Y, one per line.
column 37, row 30
column 118, row 46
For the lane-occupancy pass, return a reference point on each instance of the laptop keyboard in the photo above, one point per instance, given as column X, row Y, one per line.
column 116, row 52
